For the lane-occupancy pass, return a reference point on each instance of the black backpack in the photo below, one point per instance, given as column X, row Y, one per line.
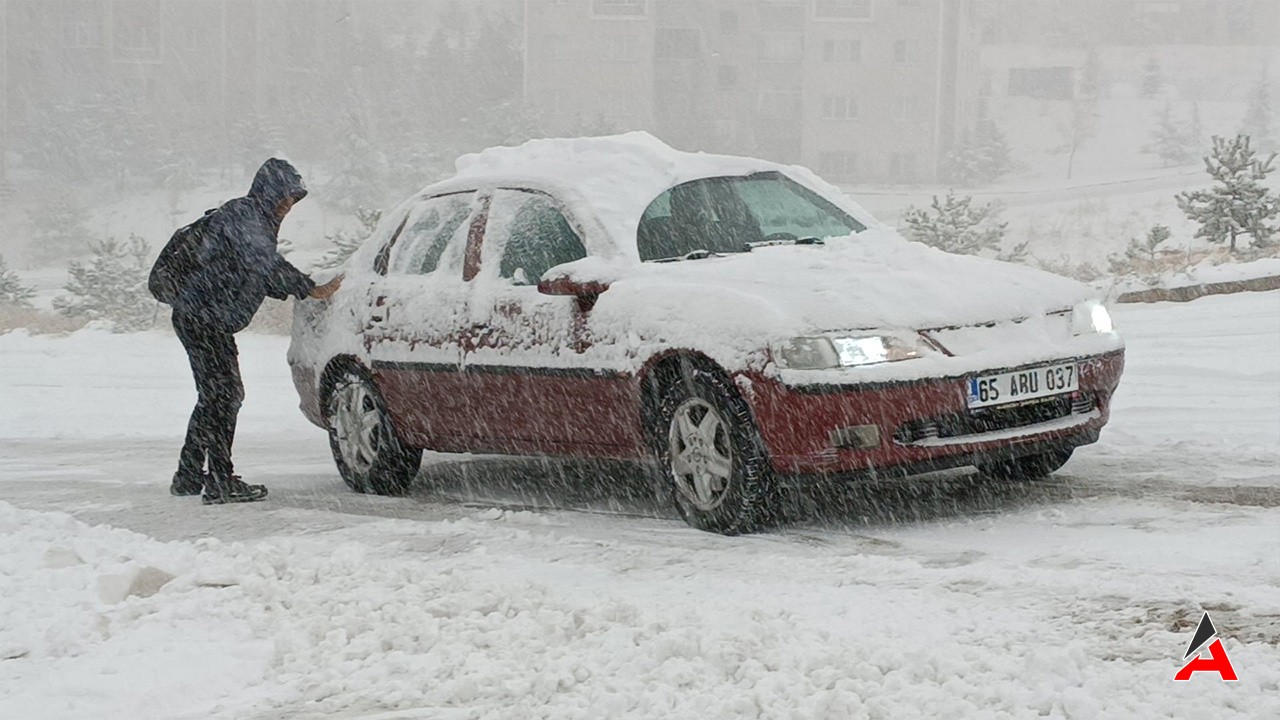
column 179, row 259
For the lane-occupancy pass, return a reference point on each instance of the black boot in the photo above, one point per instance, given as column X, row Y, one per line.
column 231, row 490
column 186, row 484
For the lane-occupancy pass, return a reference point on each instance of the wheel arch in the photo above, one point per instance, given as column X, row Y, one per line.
column 335, row 367
column 672, row 366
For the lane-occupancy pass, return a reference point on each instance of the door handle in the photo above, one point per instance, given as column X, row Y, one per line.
column 378, row 316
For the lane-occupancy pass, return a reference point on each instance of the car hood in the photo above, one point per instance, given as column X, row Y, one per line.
column 871, row 280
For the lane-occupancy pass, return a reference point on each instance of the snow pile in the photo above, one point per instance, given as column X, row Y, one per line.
column 425, row 622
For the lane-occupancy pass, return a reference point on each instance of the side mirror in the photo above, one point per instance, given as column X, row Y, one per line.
column 587, row 292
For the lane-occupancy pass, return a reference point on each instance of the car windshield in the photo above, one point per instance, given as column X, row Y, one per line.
column 732, row 214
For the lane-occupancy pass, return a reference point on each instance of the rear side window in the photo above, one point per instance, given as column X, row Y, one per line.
column 430, row 227
column 534, row 235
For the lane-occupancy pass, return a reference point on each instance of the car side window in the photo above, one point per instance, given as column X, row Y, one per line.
column 428, row 231
column 534, row 234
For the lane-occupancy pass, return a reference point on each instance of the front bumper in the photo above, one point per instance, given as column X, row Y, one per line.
column 902, row 427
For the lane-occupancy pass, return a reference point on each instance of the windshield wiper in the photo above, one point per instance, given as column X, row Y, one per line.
column 699, row 254
column 809, row 240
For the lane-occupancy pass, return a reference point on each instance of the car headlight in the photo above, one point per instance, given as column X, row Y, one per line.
column 824, row 353
column 1090, row 316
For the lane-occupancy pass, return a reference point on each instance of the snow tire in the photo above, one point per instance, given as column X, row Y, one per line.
column 366, row 448
column 741, row 498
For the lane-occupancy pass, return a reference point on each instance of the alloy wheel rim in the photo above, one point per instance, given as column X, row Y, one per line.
column 356, row 421
column 700, row 453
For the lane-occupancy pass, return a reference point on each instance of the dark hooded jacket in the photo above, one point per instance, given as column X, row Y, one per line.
column 239, row 264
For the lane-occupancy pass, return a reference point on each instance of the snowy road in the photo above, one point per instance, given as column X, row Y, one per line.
column 543, row 595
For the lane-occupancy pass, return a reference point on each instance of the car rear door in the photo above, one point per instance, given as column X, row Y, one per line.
column 535, row 382
column 417, row 318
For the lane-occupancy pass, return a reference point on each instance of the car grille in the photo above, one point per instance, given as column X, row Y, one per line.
column 985, row 420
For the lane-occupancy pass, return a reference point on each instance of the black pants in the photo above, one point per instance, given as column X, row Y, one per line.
column 215, row 362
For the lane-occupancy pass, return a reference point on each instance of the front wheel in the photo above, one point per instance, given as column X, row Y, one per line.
column 369, row 456
column 1027, row 467
column 710, row 454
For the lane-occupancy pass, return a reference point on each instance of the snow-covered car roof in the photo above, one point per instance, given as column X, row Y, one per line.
column 613, row 179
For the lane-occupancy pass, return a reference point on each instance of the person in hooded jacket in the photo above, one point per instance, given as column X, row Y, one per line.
column 239, row 266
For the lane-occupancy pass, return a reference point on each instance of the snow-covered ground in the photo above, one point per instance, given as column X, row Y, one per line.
column 515, row 589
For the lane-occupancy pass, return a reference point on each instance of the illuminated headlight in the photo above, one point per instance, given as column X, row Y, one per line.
column 1090, row 316
column 823, row 353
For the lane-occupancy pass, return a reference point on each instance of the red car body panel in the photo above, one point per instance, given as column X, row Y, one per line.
column 540, row 411
column 797, row 423
column 590, row 414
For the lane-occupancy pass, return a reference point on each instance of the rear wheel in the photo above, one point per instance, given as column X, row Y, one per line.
column 369, row 455
column 710, row 454
column 1027, row 467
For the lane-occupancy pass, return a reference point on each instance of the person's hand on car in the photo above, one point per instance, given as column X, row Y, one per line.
column 326, row 291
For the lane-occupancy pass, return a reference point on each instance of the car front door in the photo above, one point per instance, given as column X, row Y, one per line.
column 417, row 319
column 528, row 361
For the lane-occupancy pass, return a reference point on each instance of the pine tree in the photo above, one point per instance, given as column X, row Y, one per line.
column 360, row 174
column 1146, row 248
column 1195, row 134
column 1239, row 203
column 111, row 286
column 1152, row 79
column 1092, row 82
column 980, row 157
column 1173, row 145
column 956, row 225
column 1257, row 123
column 59, row 230
column 1139, row 257
column 345, row 243
column 12, row 291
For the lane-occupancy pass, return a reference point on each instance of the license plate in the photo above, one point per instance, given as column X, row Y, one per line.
column 1021, row 385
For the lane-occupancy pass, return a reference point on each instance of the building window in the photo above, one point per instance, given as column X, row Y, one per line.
column 618, row 8
column 902, row 167
column 839, row 107
column 620, row 48
column 782, row 16
column 780, row 104
column 1050, row 83
column 906, row 109
column 905, row 52
column 778, row 47
column 197, row 91
column 136, row 29
column 729, row 22
column 727, row 77
column 557, row 45
column 837, row 165
column 84, row 34
column 842, row 51
column 677, row 44
column 842, row 9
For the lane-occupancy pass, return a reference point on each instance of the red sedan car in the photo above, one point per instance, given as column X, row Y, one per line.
column 734, row 321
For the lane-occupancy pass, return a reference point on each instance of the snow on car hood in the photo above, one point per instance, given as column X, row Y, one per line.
column 871, row 280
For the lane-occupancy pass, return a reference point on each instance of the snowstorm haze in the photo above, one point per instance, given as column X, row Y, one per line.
column 104, row 100
column 827, row 359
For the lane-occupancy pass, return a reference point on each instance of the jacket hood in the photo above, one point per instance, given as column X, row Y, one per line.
column 277, row 180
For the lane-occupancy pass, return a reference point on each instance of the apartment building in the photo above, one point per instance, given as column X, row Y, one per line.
column 858, row 90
